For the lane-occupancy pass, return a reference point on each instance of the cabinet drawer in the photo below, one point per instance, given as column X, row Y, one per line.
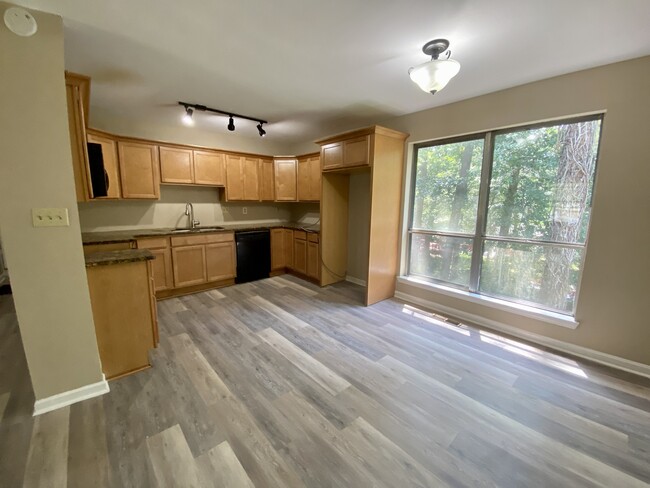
column 300, row 234
column 153, row 243
column 194, row 240
column 312, row 237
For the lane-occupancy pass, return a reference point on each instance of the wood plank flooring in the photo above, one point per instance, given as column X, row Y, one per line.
column 279, row 383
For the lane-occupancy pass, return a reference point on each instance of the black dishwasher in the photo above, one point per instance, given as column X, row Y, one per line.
column 253, row 255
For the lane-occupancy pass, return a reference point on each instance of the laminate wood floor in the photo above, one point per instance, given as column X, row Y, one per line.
column 279, row 383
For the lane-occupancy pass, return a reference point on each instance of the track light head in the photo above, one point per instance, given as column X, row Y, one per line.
column 231, row 124
column 260, row 129
column 187, row 117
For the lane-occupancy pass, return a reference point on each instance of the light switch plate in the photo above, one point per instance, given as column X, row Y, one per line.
column 50, row 217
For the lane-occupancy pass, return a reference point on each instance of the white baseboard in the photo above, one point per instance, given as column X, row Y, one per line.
column 579, row 351
column 66, row 398
column 356, row 281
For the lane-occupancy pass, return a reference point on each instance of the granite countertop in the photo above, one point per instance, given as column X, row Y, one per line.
column 117, row 257
column 107, row 237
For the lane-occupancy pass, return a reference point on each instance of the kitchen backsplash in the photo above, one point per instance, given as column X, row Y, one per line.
column 209, row 204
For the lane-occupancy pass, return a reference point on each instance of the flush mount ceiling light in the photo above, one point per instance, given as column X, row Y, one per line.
column 434, row 75
column 191, row 107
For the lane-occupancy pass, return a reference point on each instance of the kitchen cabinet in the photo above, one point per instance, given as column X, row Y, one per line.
column 111, row 163
column 77, row 88
column 176, row 165
column 209, row 168
column 124, row 313
column 162, row 264
column 286, row 180
column 189, row 265
column 300, row 251
column 139, row 169
column 313, row 257
column 188, row 166
column 288, row 248
column 242, row 178
column 202, row 258
column 278, row 261
column 332, row 155
column 348, row 153
column 309, row 179
column 381, row 149
column 267, row 180
column 221, row 261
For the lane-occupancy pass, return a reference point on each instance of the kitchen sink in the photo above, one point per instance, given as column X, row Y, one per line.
column 197, row 229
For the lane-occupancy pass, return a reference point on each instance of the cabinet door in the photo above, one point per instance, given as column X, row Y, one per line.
column 221, row 263
column 332, row 155
column 176, row 165
column 314, row 178
column 277, row 249
column 286, row 180
column 313, row 260
column 162, row 269
column 209, row 168
column 111, row 165
column 234, row 177
column 251, row 179
column 300, row 255
column 288, row 248
column 304, row 180
column 267, row 180
column 356, row 152
column 189, row 265
column 139, row 170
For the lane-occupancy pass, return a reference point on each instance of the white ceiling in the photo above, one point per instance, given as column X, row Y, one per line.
column 316, row 67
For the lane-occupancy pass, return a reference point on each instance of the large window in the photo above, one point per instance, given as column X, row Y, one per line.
column 506, row 213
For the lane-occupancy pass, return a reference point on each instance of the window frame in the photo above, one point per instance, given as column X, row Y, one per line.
column 479, row 236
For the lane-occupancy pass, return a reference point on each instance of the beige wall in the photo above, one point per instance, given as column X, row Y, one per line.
column 359, row 225
column 613, row 307
column 46, row 265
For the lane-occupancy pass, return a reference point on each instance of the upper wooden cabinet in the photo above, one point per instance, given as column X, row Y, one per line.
column 267, row 180
column 353, row 149
column 242, row 178
column 77, row 88
column 111, row 164
column 139, row 170
column 209, row 168
column 332, row 155
column 309, row 180
column 181, row 165
column 286, row 180
column 176, row 165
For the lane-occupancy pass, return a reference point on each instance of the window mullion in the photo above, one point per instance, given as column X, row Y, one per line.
column 481, row 218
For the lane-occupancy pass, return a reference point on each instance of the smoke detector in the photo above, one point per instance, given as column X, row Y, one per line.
column 20, row 22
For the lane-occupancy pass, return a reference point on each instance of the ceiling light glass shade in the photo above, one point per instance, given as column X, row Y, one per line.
column 434, row 75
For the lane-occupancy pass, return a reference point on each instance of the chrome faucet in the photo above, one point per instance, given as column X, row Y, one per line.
column 189, row 211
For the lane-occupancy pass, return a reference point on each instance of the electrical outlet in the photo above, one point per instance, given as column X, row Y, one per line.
column 50, row 217
column 244, row 210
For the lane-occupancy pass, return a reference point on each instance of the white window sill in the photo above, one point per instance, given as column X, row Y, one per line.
column 516, row 308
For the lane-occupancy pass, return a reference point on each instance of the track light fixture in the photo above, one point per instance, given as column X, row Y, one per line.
column 191, row 107
column 187, row 118
column 261, row 130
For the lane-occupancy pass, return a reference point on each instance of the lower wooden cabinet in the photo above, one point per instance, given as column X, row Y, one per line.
column 162, row 264
column 203, row 258
column 220, row 261
column 300, row 251
column 189, row 265
column 278, row 260
column 124, row 313
column 313, row 258
column 288, row 248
